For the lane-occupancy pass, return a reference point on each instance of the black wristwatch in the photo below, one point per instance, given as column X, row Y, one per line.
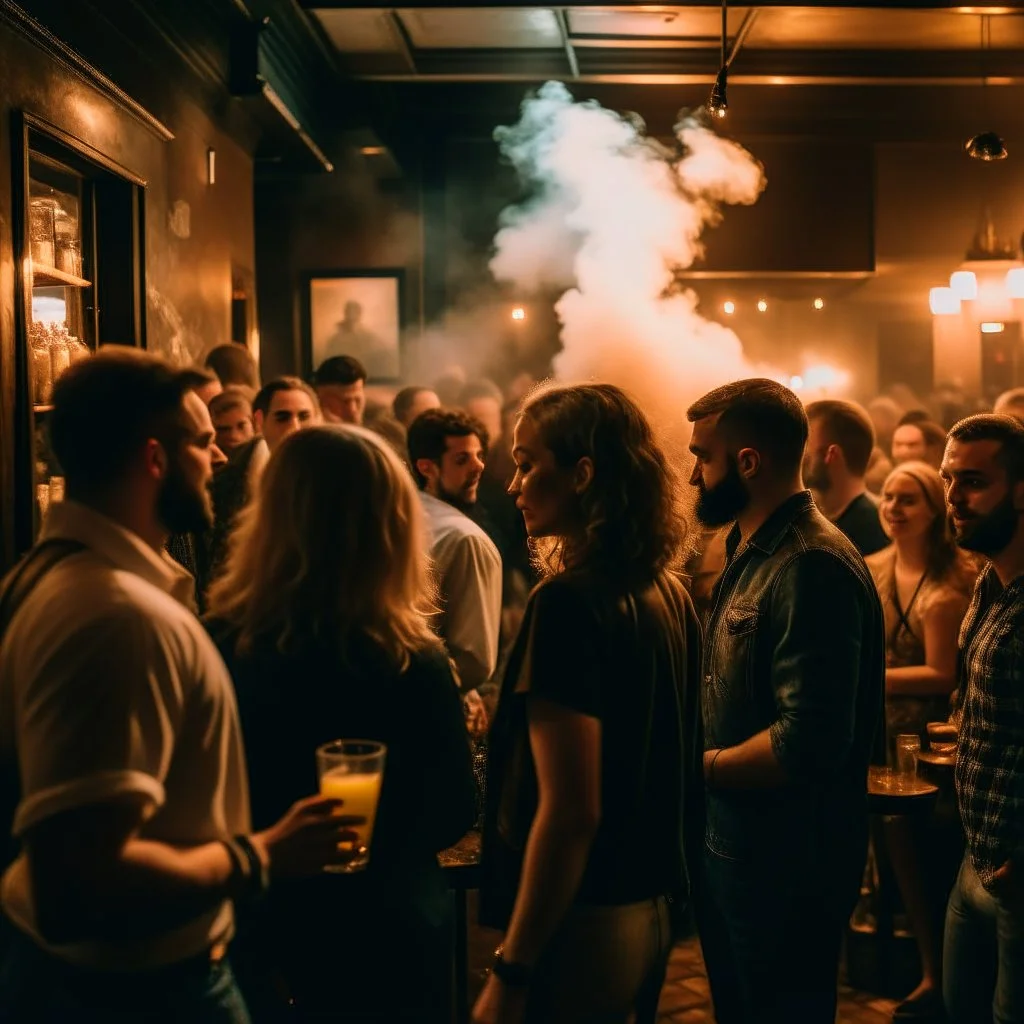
column 510, row 973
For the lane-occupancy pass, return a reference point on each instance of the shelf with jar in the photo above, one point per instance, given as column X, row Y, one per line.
column 53, row 349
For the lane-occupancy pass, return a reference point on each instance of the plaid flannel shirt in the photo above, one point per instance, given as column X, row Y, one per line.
column 990, row 752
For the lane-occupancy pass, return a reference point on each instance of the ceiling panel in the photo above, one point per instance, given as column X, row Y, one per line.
column 679, row 23
column 862, row 29
column 359, row 31
column 462, row 28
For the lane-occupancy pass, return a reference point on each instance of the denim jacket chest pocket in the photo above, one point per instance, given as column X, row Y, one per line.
column 730, row 672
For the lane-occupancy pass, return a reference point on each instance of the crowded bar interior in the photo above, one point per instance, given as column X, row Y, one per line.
column 512, row 513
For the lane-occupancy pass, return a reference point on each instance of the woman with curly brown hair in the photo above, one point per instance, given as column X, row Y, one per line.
column 594, row 782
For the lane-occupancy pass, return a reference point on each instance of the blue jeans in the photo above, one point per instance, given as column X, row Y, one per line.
column 771, row 942
column 37, row 988
column 983, row 955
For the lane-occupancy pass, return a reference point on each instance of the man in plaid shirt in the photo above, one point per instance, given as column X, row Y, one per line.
column 983, row 469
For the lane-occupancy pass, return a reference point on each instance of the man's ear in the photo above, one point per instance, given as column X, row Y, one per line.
column 428, row 469
column 257, row 421
column 156, row 459
column 748, row 462
column 583, row 474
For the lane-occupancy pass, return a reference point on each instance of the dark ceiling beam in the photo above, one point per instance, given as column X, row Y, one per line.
column 570, row 52
column 758, row 67
column 977, row 6
column 402, row 40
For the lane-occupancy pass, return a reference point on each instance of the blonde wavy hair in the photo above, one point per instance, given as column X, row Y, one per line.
column 333, row 548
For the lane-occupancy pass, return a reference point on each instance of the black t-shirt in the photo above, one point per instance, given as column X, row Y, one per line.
column 291, row 704
column 631, row 658
column 861, row 524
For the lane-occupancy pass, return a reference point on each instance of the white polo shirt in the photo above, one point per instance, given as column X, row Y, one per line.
column 110, row 685
column 468, row 568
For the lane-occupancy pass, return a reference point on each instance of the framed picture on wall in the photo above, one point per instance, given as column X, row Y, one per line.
column 355, row 313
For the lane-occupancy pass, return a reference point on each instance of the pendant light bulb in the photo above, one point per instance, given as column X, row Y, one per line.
column 718, row 104
column 986, row 146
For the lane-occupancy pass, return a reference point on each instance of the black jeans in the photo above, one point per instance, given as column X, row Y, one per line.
column 771, row 942
column 37, row 988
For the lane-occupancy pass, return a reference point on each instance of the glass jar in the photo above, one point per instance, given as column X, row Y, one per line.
column 77, row 349
column 60, row 353
column 42, row 367
column 68, row 248
column 42, row 213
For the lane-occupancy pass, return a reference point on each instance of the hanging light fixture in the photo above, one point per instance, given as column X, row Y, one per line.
column 964, row 284
column 985, row 146
column 718, row 103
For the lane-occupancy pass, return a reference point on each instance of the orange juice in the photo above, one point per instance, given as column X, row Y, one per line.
column 360, row 791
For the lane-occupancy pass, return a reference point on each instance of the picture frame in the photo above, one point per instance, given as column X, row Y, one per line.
column 355, row 313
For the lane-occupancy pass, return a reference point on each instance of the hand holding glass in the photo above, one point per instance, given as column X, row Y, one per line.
column 352, row 770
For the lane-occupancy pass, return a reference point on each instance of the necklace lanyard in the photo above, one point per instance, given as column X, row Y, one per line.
column 904, row 616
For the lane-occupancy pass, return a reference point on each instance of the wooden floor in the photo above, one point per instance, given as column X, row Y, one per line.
column 685, row 998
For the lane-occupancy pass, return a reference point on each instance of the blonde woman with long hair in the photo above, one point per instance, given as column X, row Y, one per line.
column 924, row 581
column 322, row 615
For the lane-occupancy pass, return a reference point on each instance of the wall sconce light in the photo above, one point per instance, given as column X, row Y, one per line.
column 518, row 313
column 964, row 285
column 993, row 328
column 762, row 306
column 211, row 166
column 728, row 308
column 819, row 303
column 1015, row 283
column 943, row 302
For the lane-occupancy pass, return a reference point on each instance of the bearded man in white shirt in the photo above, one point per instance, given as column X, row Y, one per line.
column 119, row 732
column 447, row 451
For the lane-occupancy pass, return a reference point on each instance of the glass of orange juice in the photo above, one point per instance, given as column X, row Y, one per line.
column 352, row 771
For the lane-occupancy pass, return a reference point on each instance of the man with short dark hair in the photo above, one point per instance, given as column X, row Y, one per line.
column 411, row 401
column 983, row 979
column 231, row 412
column 839, row 445
column 447, row 450
column 918, row 440
column 341, row 387
column 119, row 729
column 282, row 406
column 794, row 669
column 1011, row 403
column 234, row 364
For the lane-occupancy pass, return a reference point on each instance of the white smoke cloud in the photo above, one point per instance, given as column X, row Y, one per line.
column 613, row 215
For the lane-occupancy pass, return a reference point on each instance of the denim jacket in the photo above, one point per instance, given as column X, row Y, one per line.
column 795, row 645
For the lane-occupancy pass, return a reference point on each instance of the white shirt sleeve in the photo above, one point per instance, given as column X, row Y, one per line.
column 97, row 718
column 472, row 583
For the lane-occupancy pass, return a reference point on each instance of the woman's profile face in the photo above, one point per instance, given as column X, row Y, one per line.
column 543, row 490
column 904, row 511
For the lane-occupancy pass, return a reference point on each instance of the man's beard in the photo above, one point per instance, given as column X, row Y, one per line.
column 991, row 533
column 816, row 474
column 460, row 499
column 722, row 503
column 180, row 507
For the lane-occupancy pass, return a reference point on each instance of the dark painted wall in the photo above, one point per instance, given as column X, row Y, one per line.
column 332, row 222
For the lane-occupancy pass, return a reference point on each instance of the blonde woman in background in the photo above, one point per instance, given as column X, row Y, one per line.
column 322, row 616
column 924, row 581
